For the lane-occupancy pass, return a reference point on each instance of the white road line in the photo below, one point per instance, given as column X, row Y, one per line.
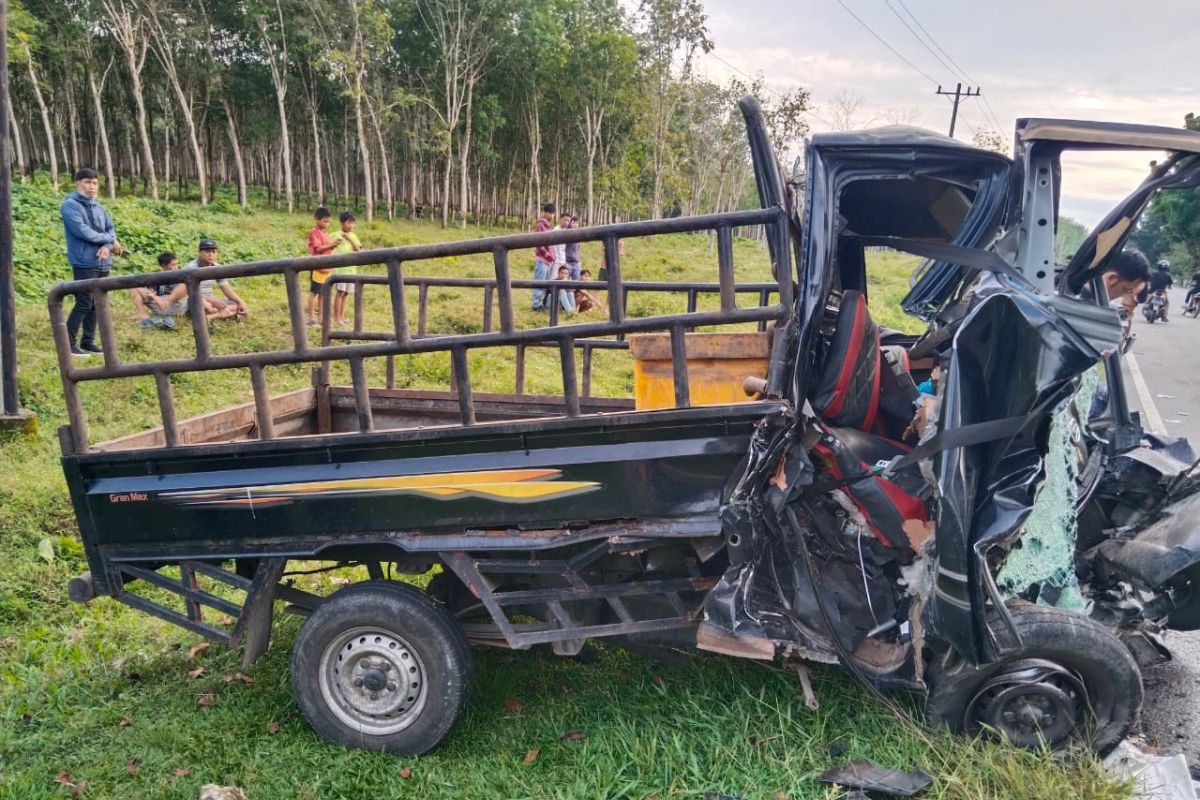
column 1154, row 421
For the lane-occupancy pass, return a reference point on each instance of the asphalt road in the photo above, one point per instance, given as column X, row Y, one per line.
column 1167, row 356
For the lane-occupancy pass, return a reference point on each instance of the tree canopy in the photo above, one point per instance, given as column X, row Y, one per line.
column 459, row 109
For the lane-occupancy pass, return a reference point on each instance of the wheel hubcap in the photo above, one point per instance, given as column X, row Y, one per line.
column 373, row 681
column 1030, row 703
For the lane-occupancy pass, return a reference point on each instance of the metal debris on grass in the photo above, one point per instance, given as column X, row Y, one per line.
column 868, row 777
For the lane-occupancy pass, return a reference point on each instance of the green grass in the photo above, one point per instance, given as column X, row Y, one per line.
column 104, row 693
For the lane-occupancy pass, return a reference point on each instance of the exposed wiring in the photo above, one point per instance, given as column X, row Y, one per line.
column 862, row 569
column 923, row 730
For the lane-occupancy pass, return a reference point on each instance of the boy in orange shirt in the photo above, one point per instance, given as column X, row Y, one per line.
column 320, row 243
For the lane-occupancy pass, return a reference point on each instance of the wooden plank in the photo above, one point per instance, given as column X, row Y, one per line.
column 223, row 425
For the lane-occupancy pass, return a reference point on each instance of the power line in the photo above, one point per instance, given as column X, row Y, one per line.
column 904, row 22
column 908, row 11
column 991, row 113
column 882, row 41
column 994, row 118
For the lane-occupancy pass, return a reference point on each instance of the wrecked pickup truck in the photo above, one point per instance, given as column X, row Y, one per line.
column 791, row 480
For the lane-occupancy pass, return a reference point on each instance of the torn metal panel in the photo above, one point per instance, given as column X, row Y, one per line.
column 1164, row 549
column 871, row 778
column 1012, row 356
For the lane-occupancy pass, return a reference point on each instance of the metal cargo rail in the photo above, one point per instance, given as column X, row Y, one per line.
column 402, row 339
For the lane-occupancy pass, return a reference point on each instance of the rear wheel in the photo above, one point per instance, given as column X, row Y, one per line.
column 1071, row 682
column 379, row 666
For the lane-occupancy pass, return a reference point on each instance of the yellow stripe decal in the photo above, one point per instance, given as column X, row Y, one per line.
column 512, row 485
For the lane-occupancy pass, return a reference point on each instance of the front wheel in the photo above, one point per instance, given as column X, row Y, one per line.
column 1071, row 681
column 380, row 666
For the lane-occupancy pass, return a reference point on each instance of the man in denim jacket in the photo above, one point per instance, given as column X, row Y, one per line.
column 91, row 244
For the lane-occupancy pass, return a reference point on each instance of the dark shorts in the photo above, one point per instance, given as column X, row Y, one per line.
column 314, row 287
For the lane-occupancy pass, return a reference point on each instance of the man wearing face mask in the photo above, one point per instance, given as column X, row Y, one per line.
column 91, row 244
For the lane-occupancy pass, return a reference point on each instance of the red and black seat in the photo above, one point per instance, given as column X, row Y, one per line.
column 885, row 503
column 847, row 393
column 857, row 423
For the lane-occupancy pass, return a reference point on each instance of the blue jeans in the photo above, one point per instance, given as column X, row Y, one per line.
column 566, row 300
column 574, row 267
column 541, row 272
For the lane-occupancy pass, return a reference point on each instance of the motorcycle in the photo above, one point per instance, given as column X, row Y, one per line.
column 1192, row 308
column 1127, row 334
column 1155, row 308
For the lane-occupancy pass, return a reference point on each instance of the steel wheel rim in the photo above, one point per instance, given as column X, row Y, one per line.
column 373, row 681
column 1030, row 703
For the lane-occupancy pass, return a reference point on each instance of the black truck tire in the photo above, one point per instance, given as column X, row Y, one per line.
column 1073, row 682
column 380, row 666
column 1185, row 591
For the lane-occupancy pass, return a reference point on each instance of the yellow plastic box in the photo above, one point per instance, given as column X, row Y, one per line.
column 717, row 364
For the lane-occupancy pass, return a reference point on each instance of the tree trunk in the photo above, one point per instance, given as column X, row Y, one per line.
column 46, row 126
column 189, row 120
column 363, row 150
column 535, row 146
column 286, row 145
column 345, row 163
column 148, row 173
column 317, row 154
column 102, row 127
column 72, row 124
column 464, row 152
column 181, row 191
column 237, row 152
column 17, row 144
column 129, row 156
column 149, row 176
column 383, row 161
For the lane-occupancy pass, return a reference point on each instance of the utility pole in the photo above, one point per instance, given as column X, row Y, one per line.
column 12, row 416
column 958, row 94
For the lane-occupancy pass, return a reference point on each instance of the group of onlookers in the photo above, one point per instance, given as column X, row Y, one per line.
column 92, row 242
column 320, row 243
column 560, row 262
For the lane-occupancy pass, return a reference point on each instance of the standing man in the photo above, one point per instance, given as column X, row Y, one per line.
column 543, row 257
column 560, row 250
column 91, row 244
column 572, row 249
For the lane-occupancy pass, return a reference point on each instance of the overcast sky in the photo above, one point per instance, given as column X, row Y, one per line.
column 1105, row 60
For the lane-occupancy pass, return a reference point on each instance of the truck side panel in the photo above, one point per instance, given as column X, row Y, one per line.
column 232, row 500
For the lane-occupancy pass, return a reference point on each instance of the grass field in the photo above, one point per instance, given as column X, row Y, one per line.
column 108, row 696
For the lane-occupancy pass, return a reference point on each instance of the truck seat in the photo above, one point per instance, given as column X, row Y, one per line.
column 885, row 503
column 857, row 422
column 847, row 393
